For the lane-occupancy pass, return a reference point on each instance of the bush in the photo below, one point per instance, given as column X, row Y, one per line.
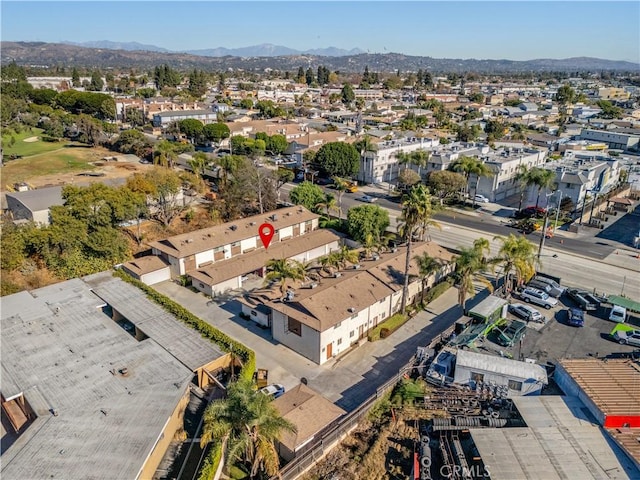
column 209, row 332
column 389, row 326
column 210, row 465
column 438, row 290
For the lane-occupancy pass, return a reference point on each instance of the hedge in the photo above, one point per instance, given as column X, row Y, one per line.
column 210, row 465
column 209, row 332
column 390, row 325
column 438, row 290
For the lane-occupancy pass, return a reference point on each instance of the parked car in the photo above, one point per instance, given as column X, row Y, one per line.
column 533, row 295
column 547, row 287
column 629, row 337
column 274, row 390
column 481, row 199
column 526, row 312
column 512, row 334
column 529, row 212
column 556, row 286
column 540, row 286
column 583, row 299
column 575, row 317
column 367, row 199
column 618, row 314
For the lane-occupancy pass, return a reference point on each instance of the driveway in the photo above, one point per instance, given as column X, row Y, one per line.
column 347, row 380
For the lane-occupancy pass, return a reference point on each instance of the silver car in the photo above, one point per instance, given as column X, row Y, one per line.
column 556, row 287
column 533, row 295
column 630, row 337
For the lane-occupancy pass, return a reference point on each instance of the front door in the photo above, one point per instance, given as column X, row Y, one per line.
column 329, row 350
column 361, row 331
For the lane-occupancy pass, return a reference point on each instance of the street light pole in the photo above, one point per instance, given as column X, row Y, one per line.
column 544, row 227
column 557, row 213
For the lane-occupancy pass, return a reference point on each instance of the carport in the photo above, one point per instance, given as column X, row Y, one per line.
column 630, row 305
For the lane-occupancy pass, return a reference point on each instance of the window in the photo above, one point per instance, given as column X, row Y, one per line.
column 253, row 313
column 235, row 244
column 337, row 325
column 514, row 385
column 352, row 333
column 353, row 317
column 339, row 342
column 294, row 326
column 477, row 377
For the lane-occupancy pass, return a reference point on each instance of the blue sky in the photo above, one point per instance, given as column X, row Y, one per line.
column 512, row 30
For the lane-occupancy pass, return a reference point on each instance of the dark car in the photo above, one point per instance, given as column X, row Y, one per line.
column 583, row 299
column 575, row 317
column 512, row 334
column 531, row 212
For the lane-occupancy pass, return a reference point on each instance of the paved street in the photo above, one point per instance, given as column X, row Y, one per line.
column 349, row 379
column 582, row 261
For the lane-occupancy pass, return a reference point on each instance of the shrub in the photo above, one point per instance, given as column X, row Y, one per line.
column 209, row 332
column 389, row 326
column 210, row 465
column 438, row 290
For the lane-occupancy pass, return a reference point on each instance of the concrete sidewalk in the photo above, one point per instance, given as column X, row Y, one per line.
column 347, row 380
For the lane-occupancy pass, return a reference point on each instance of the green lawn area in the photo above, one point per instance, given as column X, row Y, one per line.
column 392, row 324
column 26, row 149
column 64, row 160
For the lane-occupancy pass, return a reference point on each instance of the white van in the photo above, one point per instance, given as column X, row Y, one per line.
column 618, row 314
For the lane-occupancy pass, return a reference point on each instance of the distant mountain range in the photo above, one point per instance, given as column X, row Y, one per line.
column 263, row 50
column 59, row 54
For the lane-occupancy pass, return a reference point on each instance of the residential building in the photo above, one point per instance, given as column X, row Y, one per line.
column 310, row 413
column 613, row 93
column 34, row 205
column 188, row 252
column 444, row 155
column 505, row 164
column 81, row 396
column 164, row 119
column 382, row 165
column 325, row 317
column 616, row 140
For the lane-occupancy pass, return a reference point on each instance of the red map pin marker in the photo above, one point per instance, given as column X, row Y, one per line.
column 266, row 232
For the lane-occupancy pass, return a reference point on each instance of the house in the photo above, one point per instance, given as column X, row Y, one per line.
column 81, row 396
column 150, row 270
column 164, row 119
column 311, row 414
column 218, row 277
column 324, row 318
column 34, row 205
column 188, row 252
column 616, row 140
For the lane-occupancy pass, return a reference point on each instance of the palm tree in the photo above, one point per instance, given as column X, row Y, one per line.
column 246, row 424
column 198, row 163
column 341, row 185
column 470, row 265
column 329, row 204
column 330, row 262
column 516, row 254
column 426, row 266
column 283, row 270
column 416, row 217
column 229, row 164
column 524, row 180
column 471, row 166
column 543, row 179
column 419, row 158
column 347, row 255
column 164, row 154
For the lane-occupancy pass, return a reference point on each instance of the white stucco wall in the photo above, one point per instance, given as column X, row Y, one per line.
column 286, row 232
column 248, row 244
column 230, row 284
column 307, row 344
column 255, row 315
column 158, row 276
column 204, row 257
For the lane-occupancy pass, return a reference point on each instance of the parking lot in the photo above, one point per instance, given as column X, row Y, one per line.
column 556, row 339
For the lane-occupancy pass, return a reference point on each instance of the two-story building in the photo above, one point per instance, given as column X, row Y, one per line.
column 323, row 318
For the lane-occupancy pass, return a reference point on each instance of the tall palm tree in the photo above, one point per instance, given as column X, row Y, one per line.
column 329, row 204
column 198, row 163
column 164, row 154
column 415, row 219
column 471, row 166
column 247, row 425
column 543, row 179
column 347, row 255
column 330, row 262
column 426, row 267
column 524, row 180
column 341, row 186
column 419, row 158
column 516, row 254
column 470, row 265
column 282, row 270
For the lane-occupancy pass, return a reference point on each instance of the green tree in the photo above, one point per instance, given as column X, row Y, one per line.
column 408, row 177
column 415, row 220
column 308, row 195
column 365, row 220
column 163, row 187
column 283, row 176
column 330, row 204
column 565, row 95
column 284, row 270
column 609, row 110
column 75, row 77
column 516, row 254
column 277, row 144
column 246, row 425
column 192, row 128
column 365, row 144
column 471, row 264
column 347, row 255
column 96, row 83
column 216, row 132
column 197, row 83
column 427, row 266
column 90, row 130
column 524, row 179
column 542, row 179
column 469, row 166
column 338, row 159
column 418, row 158
column 446, row 184
column 347, row 94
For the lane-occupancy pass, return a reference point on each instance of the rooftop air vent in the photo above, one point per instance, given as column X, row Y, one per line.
column 313, row 285
column 351, row 310
column 356, row 266
column 274, row 217
column 337, row 275
column 233, row 227
column 375, row 257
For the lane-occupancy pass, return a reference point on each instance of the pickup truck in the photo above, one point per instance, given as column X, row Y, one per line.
column 584, row 299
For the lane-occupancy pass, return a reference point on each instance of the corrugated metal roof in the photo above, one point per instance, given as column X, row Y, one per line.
column 500, row 365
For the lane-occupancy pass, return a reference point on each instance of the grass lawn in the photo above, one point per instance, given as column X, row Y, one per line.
column 26, row 149
column 64, row 160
